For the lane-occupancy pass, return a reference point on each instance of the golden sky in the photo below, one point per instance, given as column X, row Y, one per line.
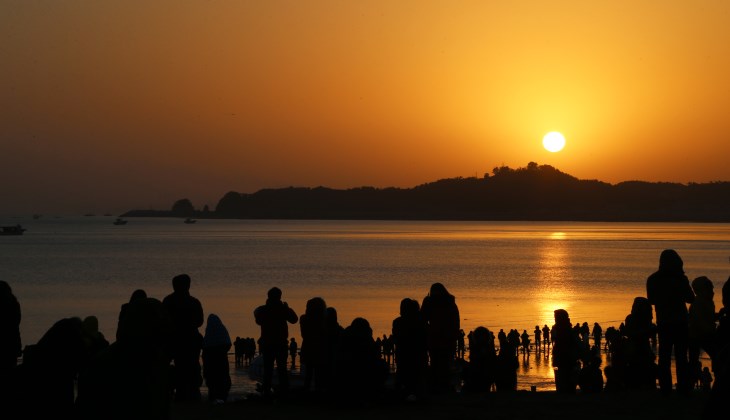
column 111, row 105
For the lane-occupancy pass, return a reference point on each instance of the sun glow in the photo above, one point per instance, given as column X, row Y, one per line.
column 553, row 141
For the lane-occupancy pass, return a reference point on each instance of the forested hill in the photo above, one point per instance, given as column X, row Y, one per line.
column 536, row 192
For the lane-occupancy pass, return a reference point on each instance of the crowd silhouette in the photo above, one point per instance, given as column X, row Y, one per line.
column 157, row 352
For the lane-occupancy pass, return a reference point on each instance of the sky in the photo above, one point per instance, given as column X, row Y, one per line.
column 118, row 105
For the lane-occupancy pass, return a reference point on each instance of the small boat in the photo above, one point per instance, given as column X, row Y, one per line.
column 12, row 230
column 189, row 221
column 120, row 221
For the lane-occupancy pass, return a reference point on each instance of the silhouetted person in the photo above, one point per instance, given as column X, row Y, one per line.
column 313, row 327
column 585, row 332
column 130, row 379
column 538, row 338
column 216, row 344
column 507, row 364
column 706, row 379
column 701, row 324
column 387, row 349
column 597, row 335
column 239, row 347
column 525, row 342
column 50, row 369
column 10, row 345
column 441, row 315
column 546, row 336
column 334, row 336
column 411, row 352
column 720, row 394
column 187, row 316
column 502, row 338
column 249, row 350
column 513, row 337
column 361, row 372
column 293, row 349
column 669, row 291
column 137, row 295
column 640, row 369
column 273, row 344
column 480, row 372
column 612, row 336
column 565, row 353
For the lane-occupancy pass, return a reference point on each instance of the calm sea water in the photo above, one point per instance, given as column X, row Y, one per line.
column 503, row 274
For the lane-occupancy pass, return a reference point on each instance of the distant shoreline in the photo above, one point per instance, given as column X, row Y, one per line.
column 165, row 214
column 534, row 193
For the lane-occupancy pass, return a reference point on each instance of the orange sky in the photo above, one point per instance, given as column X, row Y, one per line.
column 113, row 105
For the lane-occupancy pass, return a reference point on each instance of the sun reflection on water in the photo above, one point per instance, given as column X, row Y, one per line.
column 554, row 288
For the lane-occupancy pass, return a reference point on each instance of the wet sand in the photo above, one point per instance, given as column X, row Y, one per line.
column 518, row 405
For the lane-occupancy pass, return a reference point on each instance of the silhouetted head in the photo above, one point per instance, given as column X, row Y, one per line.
column 91, row 324
column 181, row 283
column 562, row 317
column 641, row 309
column 409, row 308
column 138, row 294
column 481, row 340
column 361, row 327
column 274, row 294
column 438, row 290
column 316, row 307
column 5, row 288
column 671, row 262
column 702, row 286
column 215, row 332
column 726, row 293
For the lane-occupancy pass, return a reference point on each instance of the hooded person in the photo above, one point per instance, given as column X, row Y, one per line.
column 441, row 315
column 216, row 344
column 411, row 351
column 313, row 328
column 669, row 291
column 565, row 353
column 137, row 296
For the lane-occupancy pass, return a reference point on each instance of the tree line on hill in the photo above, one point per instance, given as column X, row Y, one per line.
column 535, row 192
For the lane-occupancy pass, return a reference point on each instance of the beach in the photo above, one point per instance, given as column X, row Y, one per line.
column 517, row 405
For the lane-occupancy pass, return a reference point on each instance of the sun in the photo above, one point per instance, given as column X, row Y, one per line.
column 553, row 141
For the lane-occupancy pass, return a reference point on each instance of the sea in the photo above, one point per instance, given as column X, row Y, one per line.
column 504, row 275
